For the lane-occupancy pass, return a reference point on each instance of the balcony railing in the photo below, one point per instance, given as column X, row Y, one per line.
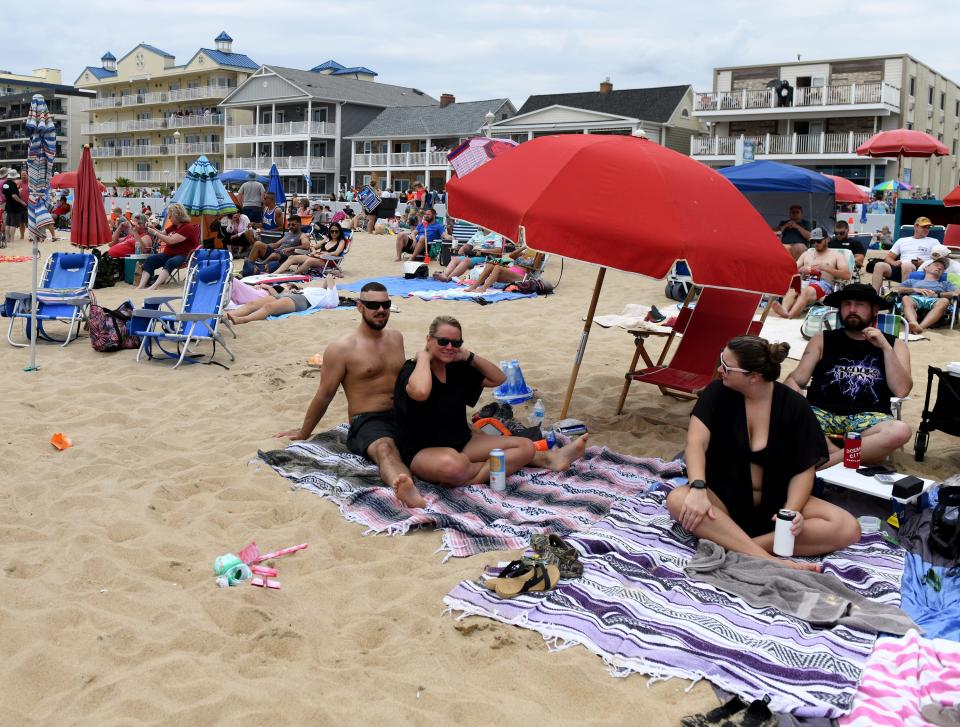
column 284, row 128
column 318, row 164
column 152, row 150
column 160, row 97
column 402, row 160
column 170, row 122
column 137, row 176
column 782, row 144
column 875, row 92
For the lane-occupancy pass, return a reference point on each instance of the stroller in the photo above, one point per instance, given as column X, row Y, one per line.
column 945, row 414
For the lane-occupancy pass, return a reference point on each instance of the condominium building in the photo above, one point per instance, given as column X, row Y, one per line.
column 152, row 118
column 816, row 113
column 409, row 144
column 299, row 119
column 65, row 103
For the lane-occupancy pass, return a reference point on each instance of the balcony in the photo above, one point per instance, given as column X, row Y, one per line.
column 765, row 102
column 170, row 122
column 403, row 160
column 290, row 163
column 785, row 146
column 136, row 176
column 250, row 132
column 160, row 97
column 153, row 150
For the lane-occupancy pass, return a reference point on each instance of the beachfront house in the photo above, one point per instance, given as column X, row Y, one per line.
column 299, row 120
column 664, row 114
column 816, row 113
column 67, row 107
column 405, row 145
column 152, row 118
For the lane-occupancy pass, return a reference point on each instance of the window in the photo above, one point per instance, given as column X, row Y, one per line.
column 143, row 167
column 930, row 95
column 943, row 100
column 956, row 108
column 365, row 179
column 909, row 125
column 913, row 86
column 401, row 185
column 954, row 151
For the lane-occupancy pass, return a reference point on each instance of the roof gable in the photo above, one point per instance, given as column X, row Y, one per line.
column 147, row 47
column 456, row 119
column 558, row 113
column 647, row 104
column 98, row 73
column 233, row 60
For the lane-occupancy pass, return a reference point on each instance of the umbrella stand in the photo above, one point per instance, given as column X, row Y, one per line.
column 33, row 306
column 581, row 347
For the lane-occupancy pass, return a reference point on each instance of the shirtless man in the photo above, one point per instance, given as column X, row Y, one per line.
column 366, row 363
column 821, row 268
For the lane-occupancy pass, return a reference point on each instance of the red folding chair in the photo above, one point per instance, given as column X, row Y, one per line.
column 704, row 328
column 951, row 238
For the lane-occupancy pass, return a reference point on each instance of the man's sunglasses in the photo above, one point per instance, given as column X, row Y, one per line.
column 375, row 304
column 444, row 342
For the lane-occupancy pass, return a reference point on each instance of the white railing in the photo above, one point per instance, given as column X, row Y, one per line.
column 157, row 97
column 170, row 122
column 284, row 128
column 320, row 164
column 193, row 120
column 135, row 176
column 834, row 144
column 189, row 94
column 145, row 150
column 402, row 160
column 874, row 92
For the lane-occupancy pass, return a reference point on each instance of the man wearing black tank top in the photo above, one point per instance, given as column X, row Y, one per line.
column 852, row 373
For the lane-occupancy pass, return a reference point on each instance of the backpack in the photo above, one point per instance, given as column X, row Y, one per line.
column 108, row 271
column 108, row 328
column 536, row 285
column 819, row 318
column 945, row 524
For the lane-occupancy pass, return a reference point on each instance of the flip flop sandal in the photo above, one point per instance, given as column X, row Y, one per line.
column 542, row 577
column 715, row 715
column 513, row 569
column 758, row 714
column 553, row 549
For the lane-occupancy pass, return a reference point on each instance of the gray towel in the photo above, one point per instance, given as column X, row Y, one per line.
column 819, row 598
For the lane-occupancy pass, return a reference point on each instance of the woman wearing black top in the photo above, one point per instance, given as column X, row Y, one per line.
column 432, row 393
column 753, row 446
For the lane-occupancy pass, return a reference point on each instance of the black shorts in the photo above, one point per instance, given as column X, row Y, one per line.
column 365, row 429
column 254, row 214
column 15, row 218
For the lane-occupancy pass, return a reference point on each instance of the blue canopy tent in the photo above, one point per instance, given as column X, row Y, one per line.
column 239, row 176
column 772, row 187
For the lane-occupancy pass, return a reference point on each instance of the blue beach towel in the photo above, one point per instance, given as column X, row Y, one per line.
column 423, row 287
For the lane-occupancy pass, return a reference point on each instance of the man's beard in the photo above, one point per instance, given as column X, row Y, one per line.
column 375, row 324
column 853, row 322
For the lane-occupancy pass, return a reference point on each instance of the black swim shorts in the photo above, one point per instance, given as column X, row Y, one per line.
column 365, row 429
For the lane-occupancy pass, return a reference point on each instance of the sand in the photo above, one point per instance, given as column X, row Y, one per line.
column 108, row 609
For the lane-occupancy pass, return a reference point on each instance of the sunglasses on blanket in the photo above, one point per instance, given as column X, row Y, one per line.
column 375, row 304
column 444, row 342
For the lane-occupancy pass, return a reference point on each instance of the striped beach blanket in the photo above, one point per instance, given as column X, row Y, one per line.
column 636, row 609
column 474, row 519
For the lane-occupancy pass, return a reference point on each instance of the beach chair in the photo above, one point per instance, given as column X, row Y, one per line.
column 704, row 329
column 64, row 295
column 945, row 415
column 334, row 265
column 951, row 238
column 951, row 312
column 463, row 231
column 937, row 232
column 206, row 292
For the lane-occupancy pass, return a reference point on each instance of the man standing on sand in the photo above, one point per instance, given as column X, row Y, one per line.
column 366, row 363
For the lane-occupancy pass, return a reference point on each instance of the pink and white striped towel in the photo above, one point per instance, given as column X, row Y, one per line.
column 903, row 676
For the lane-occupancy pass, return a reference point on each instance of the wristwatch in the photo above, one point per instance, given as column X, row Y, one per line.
column 698, row 485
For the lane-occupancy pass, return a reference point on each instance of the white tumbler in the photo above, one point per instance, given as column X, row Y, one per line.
column 782, row 537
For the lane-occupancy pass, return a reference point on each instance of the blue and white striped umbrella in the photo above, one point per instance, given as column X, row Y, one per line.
column 41, row 152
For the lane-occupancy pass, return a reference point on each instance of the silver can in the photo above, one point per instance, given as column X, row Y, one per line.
column 498, row 470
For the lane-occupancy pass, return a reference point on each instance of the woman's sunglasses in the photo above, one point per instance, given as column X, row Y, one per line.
column 444, row 342
column 727, row 369
column 375, row 304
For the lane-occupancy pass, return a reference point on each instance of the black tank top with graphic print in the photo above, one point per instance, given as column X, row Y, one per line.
column 851, row 377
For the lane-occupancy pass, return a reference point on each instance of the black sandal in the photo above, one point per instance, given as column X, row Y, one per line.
column 715, row 715
column 542, row 578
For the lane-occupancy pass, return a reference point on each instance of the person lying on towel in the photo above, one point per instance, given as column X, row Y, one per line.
column 753, row 447
column 289, row 299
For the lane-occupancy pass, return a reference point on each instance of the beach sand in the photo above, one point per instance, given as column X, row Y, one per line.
column 108, row 609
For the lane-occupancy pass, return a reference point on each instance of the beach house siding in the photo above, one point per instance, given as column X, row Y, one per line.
column 354, row 119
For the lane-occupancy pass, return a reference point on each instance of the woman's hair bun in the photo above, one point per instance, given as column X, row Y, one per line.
column 777, row 352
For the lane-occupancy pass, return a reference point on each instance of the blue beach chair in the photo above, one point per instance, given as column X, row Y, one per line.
column 206, row 294
column 64, row 296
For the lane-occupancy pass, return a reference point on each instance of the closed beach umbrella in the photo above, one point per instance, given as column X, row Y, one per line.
column 41, row 151
column 672, row 208
column 88, row 221
column 275, row 186
column 846, row 191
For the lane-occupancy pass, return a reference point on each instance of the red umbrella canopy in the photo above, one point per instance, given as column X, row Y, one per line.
column 952, row 199
column 88, row 224
column 626, row 203
column 902, row 143
column 68, row 180
column 847, row 191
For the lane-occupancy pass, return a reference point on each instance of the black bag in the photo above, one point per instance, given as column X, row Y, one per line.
column 108, row 271
column 677, row 289
column 945, row 525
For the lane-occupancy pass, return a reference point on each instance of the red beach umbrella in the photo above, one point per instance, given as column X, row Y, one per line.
column 952, row 199
column 669, row 206
column 68, row 180
column 847, row 191
column 902, row 143
column 88, row 226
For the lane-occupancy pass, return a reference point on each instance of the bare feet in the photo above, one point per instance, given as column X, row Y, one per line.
column 560, row 459
column 778, row 308
column 797, row 565
column 397, row 260
column 230, row 317
column 407, row 492
column 915, row 329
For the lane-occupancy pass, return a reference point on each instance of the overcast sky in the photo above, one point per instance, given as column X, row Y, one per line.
column 482, row 49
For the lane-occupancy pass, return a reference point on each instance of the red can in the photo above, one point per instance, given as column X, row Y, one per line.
column 851, row 450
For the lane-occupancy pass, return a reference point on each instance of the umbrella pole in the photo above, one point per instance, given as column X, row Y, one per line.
column 584, row 335
column 33, row 306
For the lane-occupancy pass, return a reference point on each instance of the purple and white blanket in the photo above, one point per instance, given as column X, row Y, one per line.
column 474, row 519
column 636, row 609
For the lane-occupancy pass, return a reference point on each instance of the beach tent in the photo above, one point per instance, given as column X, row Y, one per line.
column 687, row 211
column 772, row 187
column 239, row 176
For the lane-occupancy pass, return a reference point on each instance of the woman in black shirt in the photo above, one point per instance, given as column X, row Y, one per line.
column 753, row 446
column 432, row 393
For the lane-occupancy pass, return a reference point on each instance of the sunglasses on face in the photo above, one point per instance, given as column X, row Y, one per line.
column 444, row 342
column 727, row 369
column 376, row 304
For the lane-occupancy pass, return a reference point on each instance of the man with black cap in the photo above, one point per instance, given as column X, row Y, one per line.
column 852, row 373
